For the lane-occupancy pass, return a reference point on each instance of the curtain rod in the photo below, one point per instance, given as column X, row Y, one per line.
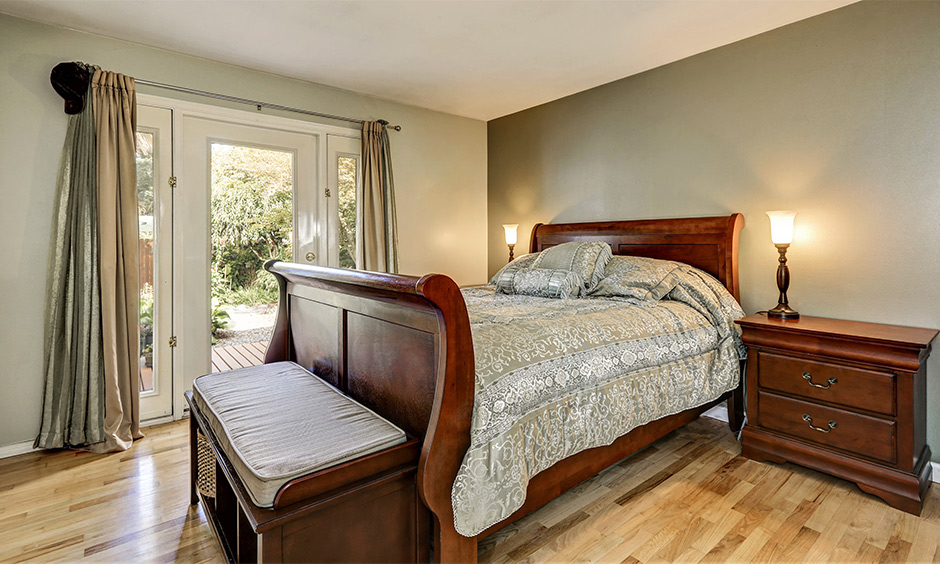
column 255, row 103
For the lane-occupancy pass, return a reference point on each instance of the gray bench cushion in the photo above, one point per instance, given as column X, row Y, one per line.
column 277, row 422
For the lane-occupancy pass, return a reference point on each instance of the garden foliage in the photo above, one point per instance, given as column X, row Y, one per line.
column 251, row 221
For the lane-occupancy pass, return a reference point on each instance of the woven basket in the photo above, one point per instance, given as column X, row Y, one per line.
column 205, row 466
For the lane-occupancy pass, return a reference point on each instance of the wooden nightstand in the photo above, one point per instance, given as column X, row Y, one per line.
column 842, row 397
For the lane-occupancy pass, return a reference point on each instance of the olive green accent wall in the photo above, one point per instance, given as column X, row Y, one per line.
column 439, row 165
column 836, row 117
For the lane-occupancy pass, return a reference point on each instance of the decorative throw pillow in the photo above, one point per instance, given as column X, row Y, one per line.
column 541, row 282
column 635, row 277
column 587, row 259
column 525, row 261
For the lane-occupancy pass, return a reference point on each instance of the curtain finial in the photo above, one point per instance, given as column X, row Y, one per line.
column 70, row 80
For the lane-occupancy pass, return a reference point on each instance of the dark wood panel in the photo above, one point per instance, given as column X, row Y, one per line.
column 849, row 386
column 318, row 351
column 706, row 257
column 351, row 528
column 388, row 369
column 708, row 243
column 856, row 433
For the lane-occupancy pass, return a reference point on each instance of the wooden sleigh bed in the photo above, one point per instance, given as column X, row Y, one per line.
column 401, row 346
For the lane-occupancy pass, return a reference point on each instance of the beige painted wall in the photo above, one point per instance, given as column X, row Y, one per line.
column 837, row 117
column 439, row 165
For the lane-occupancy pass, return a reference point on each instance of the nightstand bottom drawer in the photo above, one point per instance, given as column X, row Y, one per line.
column 872, row 437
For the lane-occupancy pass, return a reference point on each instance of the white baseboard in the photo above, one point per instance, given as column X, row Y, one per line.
column 17, row 449
column 936, row 472
column 156, row 421
column 21, row 448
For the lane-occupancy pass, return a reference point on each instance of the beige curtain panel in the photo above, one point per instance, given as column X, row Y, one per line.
column 376, row 223
column 115, row 109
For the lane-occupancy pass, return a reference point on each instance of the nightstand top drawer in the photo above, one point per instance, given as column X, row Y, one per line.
column 855, row 433
column 855, row 388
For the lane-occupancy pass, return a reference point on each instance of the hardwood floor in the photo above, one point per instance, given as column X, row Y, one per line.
column 688, row 498
column 125, row 507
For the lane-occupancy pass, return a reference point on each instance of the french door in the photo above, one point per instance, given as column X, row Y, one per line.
column 155, row 246
column 242, row 189
column 246, row 193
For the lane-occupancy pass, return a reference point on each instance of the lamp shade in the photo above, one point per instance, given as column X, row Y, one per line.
column 511, row 232
column 781, row 226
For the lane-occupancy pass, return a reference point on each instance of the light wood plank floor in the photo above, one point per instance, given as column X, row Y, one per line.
column 688, row 498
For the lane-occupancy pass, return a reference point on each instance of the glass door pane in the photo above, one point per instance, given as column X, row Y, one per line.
column 346, row 202
column 251, row 222
column 342, row 182
column 145, row 246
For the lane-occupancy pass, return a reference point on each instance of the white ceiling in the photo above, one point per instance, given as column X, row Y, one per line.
column 475, row 58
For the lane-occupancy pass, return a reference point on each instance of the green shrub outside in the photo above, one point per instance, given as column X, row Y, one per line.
column 251, row 221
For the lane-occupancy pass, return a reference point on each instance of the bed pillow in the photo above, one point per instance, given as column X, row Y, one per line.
column 641, row 278
column 525, row 261
column 540, row 282
column 587, row 259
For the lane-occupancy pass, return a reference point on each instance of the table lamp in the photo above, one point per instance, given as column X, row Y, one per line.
column 511, row 231
column 781, row 233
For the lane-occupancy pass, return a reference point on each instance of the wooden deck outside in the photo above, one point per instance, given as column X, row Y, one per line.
column 238, row 356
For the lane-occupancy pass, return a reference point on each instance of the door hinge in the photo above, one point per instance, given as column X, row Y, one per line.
column 173, row 341
column 172, row 182
column 327, row 192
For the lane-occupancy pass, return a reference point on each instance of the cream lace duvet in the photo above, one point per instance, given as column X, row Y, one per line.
column 557, row 376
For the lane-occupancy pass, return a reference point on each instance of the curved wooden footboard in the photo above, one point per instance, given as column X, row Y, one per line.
column 399, row 345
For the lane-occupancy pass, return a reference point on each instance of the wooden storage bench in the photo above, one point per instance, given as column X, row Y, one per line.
column 303, row 473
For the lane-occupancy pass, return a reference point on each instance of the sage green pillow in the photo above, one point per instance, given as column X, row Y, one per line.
column 587, row 259
column 635, row 277
column 525, row 261
column 540, row 282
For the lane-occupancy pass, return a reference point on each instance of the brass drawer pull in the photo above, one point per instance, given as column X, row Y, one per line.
column 808, row 419
column 809, row 378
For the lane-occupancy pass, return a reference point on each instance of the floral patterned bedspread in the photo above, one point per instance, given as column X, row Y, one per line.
column 557, row 376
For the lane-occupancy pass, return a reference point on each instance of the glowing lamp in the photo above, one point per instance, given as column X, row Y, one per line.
column 511, row 230
column 781, row 233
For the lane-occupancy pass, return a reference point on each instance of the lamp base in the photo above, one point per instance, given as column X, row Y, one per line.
column 783, row 311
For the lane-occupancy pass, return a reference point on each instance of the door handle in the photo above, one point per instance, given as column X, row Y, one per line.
column 310, row 257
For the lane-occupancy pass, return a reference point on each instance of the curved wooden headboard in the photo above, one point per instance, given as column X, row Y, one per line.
column 708, row 243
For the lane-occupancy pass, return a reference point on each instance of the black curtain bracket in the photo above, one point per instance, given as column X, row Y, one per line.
column 70, row 80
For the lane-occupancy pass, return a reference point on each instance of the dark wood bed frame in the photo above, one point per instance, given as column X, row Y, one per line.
column 401, row 345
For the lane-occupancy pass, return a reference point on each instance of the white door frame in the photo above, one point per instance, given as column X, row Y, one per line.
column 157, row 404
column 238, row 117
